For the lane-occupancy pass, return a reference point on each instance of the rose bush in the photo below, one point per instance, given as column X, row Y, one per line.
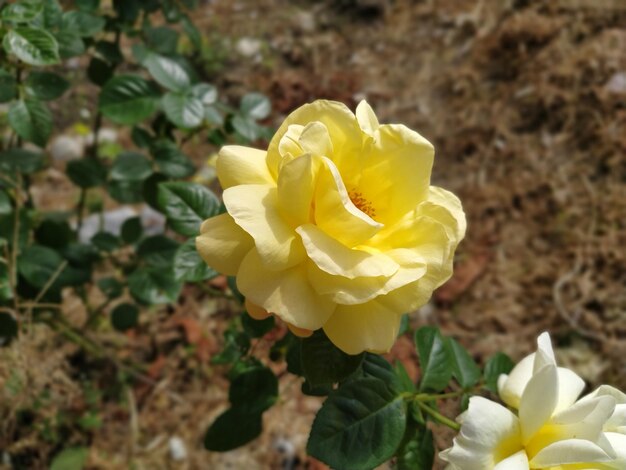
column 551, row 430
column 335, row 226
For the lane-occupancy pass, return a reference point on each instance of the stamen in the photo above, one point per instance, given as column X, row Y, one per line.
column 362, row 204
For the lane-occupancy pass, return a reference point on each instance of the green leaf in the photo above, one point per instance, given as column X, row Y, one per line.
column 167, row 72
column 256, row 390
column 70, row 44
column 82, row 23
column 205, row 93
column 88, row 5
column 323, row 362
column 363, row 411
column 189, row 266
column 5, row 203
column 257, row 328
column 86, row 173
column 110, row 52
column 246, row 127
column 105, row 241
column 162, row 39
column 8, row 86
column 52, row 13
column 31, row 120
column 255, row 106
column 128, row 99
column 417, row 453
column 153, row 286
column 32, row 45
column 316, row 390
column 171, row 161
column 464, row 368
column 158, row 251
column 132, row 230
column 110, row 287
column 22, row 12
column 434, row 359
column 150, row 189
column 141, row 137
column 72, row 458
column 99, row 71
column 24, row 161
column 38, row 265
column 187, row 205
column 130, row 166
column 54, row 233
column 8, row 325
column 124, row 317
column 404, row 382
column 192, row 32
column 184, row 110
column 46, row 86
column 81, row 254
column 498, row 364
column 233, row 428
column 126, row 192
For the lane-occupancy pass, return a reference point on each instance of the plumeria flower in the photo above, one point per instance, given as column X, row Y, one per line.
column 551, row 430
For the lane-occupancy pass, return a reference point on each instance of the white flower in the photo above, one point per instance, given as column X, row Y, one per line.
column 551, row 430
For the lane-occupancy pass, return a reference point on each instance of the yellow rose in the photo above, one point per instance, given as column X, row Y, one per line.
column 336, row 226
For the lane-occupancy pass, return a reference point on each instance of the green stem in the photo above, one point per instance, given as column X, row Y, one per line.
column 438, row 417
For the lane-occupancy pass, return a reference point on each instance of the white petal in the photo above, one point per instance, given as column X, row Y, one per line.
column 512, row 388
column 517, row 461
column 570, row 451
column 538, row 400
column 545, row 354
column 570, row 388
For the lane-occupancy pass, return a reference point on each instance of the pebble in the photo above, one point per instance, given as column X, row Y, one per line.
column 617, row 83
column 248, row 47
column 65, row 148
column 178, row 451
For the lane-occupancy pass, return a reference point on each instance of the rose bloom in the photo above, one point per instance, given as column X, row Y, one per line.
column 551, row 430
column 335, row 226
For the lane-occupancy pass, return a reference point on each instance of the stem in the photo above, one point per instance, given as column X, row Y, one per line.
column 80, row 209
column 50, row 281
column 438, row 416
column 16, row 241
column 93, row 316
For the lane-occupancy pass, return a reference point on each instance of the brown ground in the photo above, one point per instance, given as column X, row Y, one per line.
column 527, row 110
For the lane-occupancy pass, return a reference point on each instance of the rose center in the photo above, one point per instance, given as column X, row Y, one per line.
column 362, row 204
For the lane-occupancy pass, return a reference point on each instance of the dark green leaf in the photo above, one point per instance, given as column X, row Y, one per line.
column 363, row 411
column 213, row 116
column 81, row 254
column 316, row 390
column 124, row 317
column 255, row 105
column 132, row 230
column 127, row 192
column 153, row 286
column 33, row 46
column 323, row 362
column 22, row 12
column 82, row 23
column 110, row 52
column 24, row 161
column 405, row 384
column 150, row 189
column 5, row 203
column 171, row 161
column 189, row 266
column 162, row 39
column 52, row 13
column 88, row 5
column 131, row 166
column 38, row 265
column 418, row 453
column 128, row 99
column 183, row 109
column 46, row 86
column 257, row 328
column 233, row 428
column 498, row 364
column 8, row 325
column 72, row 458
column 141, row 137
column 434, row 359
column 167, row 72
column 31, row 120
column 86, row 173
column 256, row 390
column 99, row 71
column 404, row 325
column 105, row 241
column 110, row 287
column 70, row 44
column 464, row 369
column 127, row 10
column 205, row 93
column 187, row 205
column 246, row 127
column 8, row 86
column 377, row 367
column 54, row 233
column 158, row 251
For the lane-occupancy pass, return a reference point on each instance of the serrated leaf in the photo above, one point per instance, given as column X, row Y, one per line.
column 255, row 105
column 132, row 230
column 158, row 251
column 128, row 99
column 162, row 39
column 246, row 127
column 31, row 120
column 110, row 287
column 361, row 411
column 70, row 44
column 498, row 364
column 417, row 453
column 130, row 166
column 22, row 12
column 167, row 72
column 8, row 86
column 464, row 368
column 105, row 241
column 82, row 23
column 24, row 161
column 86, row 173
column 99, row 71
column 54, row 233
column 206, row 93
column 187, row 205
column 153, row 286
column 171, row 161
column 38, row 265
column 126, row 192
column 46, row 86
column 189, row 266
column 233, row 428
column 183, row 109
column 323, row 362
column 256, row 390
column 32, row 45
column 434, row 359
column 124, row 317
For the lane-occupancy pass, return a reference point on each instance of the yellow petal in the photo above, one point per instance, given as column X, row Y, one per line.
column 367, row 118
column 362, row 289
column 451, row 216
column 222, row 244
column 336, row 214
column 256, row 312
column 341, row 123
column 365, row 327
column 296, row 188
column 315, row 140
column 395, row 172
column 287, row 293
column 334, row 258
column 255, row 209
column 289, row 144
column 242, row 165
column 299, row 332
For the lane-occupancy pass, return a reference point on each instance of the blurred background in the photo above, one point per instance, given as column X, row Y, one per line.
column 525, row 102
